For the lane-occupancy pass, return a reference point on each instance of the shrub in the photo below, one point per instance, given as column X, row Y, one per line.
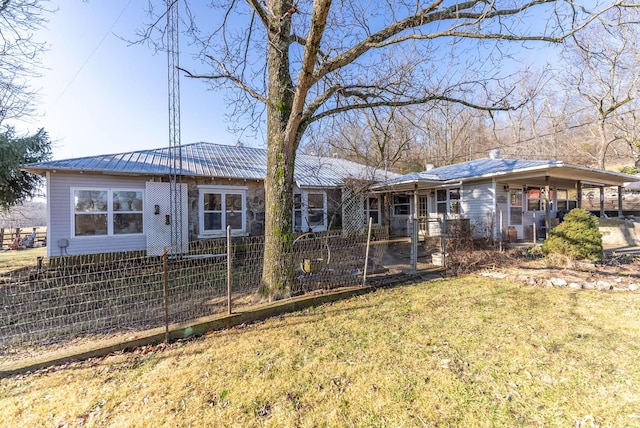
column 576, row 237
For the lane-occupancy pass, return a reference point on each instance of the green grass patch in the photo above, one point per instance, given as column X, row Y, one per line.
column 460, row 352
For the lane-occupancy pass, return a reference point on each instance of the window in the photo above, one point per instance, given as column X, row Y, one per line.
column 454, row 201
column 401, row 204
column 221, row 207
column 535, row 199
column 448, row 201
column 566, row 199
column 372, row 209
column 310, row 211
column 104, row 212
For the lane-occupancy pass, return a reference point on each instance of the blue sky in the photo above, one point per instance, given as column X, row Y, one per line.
column 98, row 94
column 103, row 96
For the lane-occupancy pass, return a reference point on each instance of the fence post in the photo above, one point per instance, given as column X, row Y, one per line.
column 165, row 292
column 229, row 269
column 366, row 257
column 414, row 245
column 443, row 241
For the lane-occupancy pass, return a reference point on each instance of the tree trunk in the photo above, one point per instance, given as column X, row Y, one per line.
column 278, row 273
column 602, row 152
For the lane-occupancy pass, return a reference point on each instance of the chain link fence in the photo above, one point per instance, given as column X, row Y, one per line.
column 71, row 297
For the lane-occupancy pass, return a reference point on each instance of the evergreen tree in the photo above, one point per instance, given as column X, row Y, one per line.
column 577, row 237
column 17, row 185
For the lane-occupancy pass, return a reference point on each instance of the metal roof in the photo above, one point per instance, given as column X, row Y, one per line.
column 492, row 167
column 219, row 161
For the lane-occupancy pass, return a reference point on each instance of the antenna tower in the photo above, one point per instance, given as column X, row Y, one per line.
column 175, row 150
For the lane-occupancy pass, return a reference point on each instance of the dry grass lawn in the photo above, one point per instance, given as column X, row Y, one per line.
column 16, row 259
column 460, row 352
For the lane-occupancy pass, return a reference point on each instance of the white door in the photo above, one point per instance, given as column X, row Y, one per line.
column 516, row 210
column 158, row 218
column 423, row 214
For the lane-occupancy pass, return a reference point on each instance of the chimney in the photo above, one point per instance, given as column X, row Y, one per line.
column 430, row 166
column 494, row 153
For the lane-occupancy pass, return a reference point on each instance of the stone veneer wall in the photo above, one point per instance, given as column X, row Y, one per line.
column 254, row 203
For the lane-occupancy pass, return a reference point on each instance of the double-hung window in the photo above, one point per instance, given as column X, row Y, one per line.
column 448, row 201
column 372, row 209
column 221, row 207
column 105, row 212
column 310, row 211
column 401, row 205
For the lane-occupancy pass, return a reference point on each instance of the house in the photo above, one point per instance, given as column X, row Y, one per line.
column 124, row 201
column 513, row 198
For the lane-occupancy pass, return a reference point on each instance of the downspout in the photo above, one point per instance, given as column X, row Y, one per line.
column 49, row 228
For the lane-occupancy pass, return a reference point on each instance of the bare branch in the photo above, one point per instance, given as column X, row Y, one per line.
column 414, row 101
column 226, row 76
column 312, row 47
column 261, row 12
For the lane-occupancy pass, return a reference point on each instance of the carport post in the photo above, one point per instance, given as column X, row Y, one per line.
column 547, row 213
column 579, row 193
column 601, row 201
column 620, row 190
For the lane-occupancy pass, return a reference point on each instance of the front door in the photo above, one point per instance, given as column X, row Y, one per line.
column 516, row 210
column 423, row 213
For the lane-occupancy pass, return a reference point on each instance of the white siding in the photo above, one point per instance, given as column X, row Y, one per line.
column 60, row 211
column 502, row 209
column 477, row 202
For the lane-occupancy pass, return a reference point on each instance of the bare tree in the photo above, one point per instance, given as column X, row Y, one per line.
column 602, row 70
column 448, row 134
column 19, row 62
column 19, row 55
column 305, row 61
column 377, row 138
column 627, row 128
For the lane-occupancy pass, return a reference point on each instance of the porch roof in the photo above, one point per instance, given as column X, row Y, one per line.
column 532, row 172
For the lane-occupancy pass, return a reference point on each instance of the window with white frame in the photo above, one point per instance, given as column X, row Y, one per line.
column 310, row 211
column 105, row 212
column 401, row 204
column 448, row 201
column 372, row 209
column 220, row 207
